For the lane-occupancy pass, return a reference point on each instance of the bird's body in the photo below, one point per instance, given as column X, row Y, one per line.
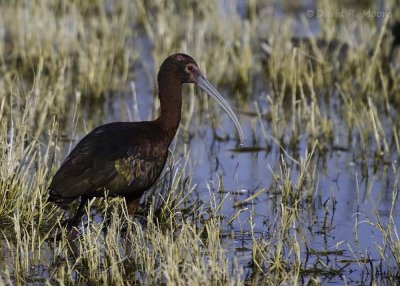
column 126, row 158
column 120, row 158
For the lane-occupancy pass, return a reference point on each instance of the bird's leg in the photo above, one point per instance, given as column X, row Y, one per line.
column 73, row 223
column 132, row 205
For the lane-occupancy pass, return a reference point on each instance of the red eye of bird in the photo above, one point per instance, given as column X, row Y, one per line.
column 190, row 67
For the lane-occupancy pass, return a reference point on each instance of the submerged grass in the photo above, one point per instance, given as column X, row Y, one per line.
column 306, row 100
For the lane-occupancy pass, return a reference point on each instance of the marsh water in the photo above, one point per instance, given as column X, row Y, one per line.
column 348, row 194
column 350, row 191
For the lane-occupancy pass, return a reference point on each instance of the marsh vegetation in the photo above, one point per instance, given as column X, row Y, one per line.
column 310, row 198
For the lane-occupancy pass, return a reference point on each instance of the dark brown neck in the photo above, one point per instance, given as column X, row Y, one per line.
column 170, row 95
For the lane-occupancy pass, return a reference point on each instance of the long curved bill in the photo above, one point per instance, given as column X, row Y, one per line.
column 207, row 87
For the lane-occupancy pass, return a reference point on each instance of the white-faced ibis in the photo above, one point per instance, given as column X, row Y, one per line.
column 126, row 158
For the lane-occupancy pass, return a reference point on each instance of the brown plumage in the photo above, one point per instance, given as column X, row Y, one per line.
column 126, row 158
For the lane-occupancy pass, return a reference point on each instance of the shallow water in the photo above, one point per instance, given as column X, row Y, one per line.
column 345, row 194
column 356, row 199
